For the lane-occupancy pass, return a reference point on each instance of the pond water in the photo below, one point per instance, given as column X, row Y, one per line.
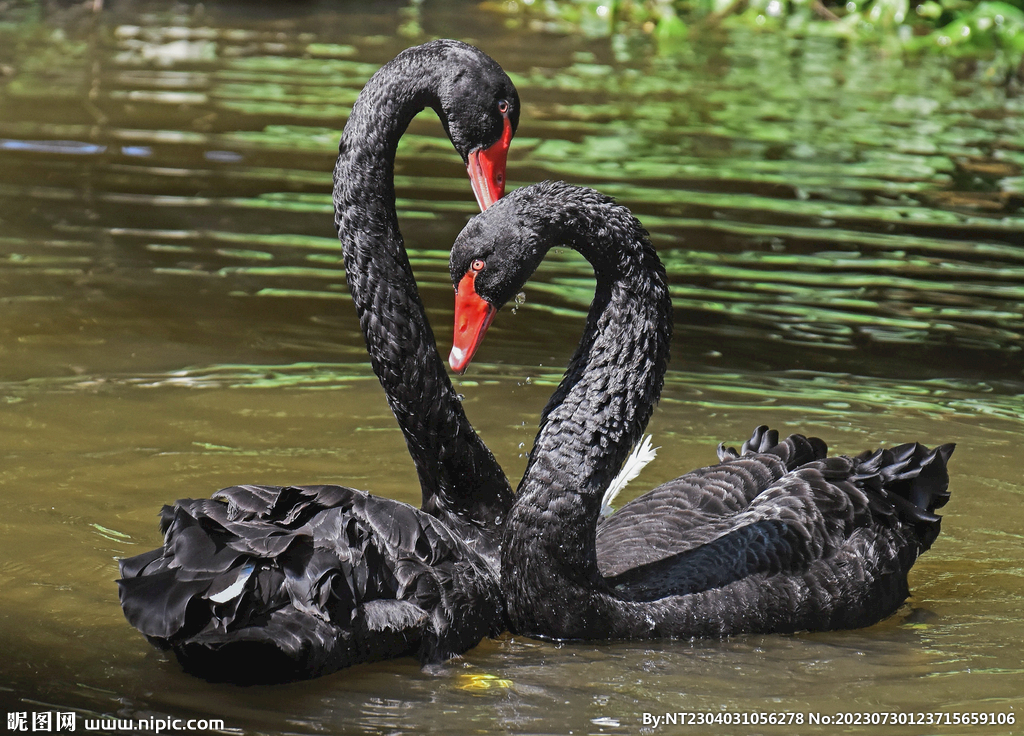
column 844, row 235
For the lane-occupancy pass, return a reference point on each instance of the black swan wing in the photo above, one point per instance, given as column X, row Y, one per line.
column 265, row 583
column 683, row 513
column 813, row 512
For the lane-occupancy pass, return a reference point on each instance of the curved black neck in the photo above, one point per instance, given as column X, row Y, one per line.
column 459, row 477
column 604, row 401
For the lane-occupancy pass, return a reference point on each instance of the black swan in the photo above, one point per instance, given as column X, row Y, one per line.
column 776, row 538
column 263, row 584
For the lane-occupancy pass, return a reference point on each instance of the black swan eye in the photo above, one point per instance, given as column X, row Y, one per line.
column 478, row 265
column 503, row 106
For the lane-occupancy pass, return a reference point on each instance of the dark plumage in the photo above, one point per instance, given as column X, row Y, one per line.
column 776, row 538
column 266, row 584
column 262, row 583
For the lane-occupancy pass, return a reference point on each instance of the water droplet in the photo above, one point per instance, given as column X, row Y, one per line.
column 520, row 301
column 460, row 397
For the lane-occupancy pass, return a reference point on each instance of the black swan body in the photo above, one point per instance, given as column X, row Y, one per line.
column 265, row 583
column 778, row 537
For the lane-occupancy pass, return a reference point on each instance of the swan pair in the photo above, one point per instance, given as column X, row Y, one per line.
column 265, row 583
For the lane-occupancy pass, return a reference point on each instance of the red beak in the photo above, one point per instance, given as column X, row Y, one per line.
column 473, row 316
column 486, row 168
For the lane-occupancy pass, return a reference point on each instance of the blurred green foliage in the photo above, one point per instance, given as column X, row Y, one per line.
column 992, row 28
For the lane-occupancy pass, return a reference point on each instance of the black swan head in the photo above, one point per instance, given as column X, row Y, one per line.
column 479, row 109
column 490, row 262
column 476, row 101
column 498, row 251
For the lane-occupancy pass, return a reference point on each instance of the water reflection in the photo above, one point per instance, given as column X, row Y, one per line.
column 843, row 234
column 755, row 189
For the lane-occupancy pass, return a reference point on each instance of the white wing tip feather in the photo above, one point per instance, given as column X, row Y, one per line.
column 642, row 454
column 235, row 589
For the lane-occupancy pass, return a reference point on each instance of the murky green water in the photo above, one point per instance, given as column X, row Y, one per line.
column 845, row 240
